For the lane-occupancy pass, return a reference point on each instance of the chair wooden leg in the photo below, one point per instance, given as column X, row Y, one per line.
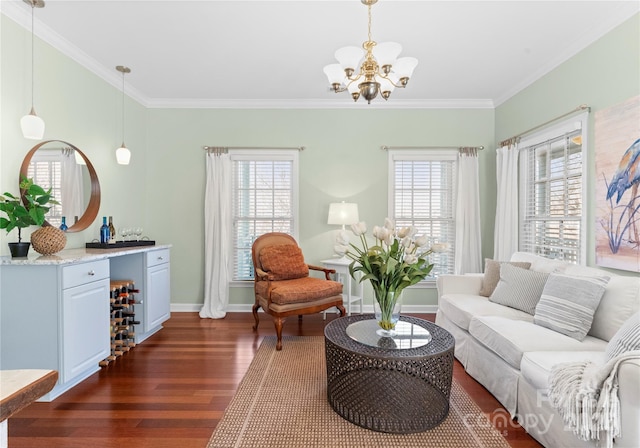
column 342, row 310
column 278, row 322
column 256, row 306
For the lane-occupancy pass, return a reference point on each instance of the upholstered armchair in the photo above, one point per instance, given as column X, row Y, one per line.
column 282, row 283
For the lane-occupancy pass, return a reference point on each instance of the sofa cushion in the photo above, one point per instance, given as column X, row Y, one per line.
column 492, row 274
column 567, row 304
column 460, row 308
column 620, row 300
column 626, row 339
column 519, row 288
column 510, row 338
column 541, row 264
column 536, row 366
column 283, row 261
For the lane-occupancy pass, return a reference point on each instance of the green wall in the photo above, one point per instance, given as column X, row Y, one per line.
column 343, row 160
column 604, row 74
column 77, row 107
column 163, row 187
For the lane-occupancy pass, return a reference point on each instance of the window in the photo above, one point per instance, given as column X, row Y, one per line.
column 265, row 186
column 422, row 194
column 46, row 170
column 552, row 186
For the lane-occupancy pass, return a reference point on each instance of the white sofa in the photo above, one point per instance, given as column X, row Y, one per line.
column 512, row 357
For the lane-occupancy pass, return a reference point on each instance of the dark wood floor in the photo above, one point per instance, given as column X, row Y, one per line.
column 171, row 390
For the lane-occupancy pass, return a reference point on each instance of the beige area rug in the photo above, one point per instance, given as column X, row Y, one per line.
column 282, row 402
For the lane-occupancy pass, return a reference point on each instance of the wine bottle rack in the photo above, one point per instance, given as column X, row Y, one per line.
column 123, row 319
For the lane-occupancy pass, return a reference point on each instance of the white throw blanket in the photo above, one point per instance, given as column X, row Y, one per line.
column 586, row 396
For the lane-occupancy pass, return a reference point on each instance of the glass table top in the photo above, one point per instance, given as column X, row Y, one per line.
column 407, row 335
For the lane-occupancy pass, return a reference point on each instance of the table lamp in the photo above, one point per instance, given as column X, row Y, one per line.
column 343, row 213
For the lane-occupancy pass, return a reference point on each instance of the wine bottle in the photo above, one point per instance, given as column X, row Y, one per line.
column 112, row 231
column 63, row 226
column 104, row 231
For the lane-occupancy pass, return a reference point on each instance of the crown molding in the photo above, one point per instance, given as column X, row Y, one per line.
column 171, row 103
column 19, row 12
column 585, row 39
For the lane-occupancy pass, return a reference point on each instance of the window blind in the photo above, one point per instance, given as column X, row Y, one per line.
column 552, row 215
column 263, row 201
column 423, row 195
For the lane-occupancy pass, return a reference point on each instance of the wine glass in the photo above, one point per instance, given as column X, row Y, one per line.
column 138, row 232
column 124, row 232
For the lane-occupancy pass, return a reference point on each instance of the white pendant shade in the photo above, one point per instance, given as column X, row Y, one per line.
column 334, row 73
column 123, row 155
column 32, row 126
column 349, row 57
column 386, row 53
column 403, row 68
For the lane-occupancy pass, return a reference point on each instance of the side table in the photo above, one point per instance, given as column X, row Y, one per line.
column 395, row 385
column 341, row 266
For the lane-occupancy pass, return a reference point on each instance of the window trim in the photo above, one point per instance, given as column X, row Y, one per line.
column 269, row 155
column 580, row 121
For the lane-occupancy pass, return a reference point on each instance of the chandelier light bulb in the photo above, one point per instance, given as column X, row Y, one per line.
column 374, row 68
column 123, row 155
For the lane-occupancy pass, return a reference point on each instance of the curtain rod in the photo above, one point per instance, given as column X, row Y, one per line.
column 386, row 148
column 511, row 140
column 207, row 148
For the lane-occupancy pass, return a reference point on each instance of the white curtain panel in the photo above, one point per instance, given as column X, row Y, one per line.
column 506, row 226
column 72, row 188
column 217, row 236
column 468, row 257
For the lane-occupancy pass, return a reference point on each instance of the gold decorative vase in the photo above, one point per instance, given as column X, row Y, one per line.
column 48, row 240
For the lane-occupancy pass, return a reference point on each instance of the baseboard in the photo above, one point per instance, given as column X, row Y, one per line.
column 246, row 308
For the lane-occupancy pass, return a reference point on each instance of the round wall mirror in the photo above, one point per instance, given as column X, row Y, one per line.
column 65, row 169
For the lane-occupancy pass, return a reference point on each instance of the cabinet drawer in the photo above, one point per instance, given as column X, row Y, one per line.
column 83, row 273
column 156, row 257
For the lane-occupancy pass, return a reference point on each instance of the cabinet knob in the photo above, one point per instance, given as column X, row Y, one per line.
column 160, row 258
column 92, row 272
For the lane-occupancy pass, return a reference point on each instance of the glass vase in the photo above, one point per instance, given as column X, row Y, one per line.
column 387, row 306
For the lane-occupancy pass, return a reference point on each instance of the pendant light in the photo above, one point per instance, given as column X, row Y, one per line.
column 123, row 155
column 32, row 125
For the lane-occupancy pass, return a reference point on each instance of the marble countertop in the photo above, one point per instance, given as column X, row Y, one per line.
column 69, row 256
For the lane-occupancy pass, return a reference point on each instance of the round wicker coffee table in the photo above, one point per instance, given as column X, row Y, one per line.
column 395, row 385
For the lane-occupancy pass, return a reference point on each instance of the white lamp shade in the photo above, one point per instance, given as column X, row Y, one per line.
column 386, row 53
column 32, row 126
column 403, row 68
column 334, row 73
column 386, row 85
column 349, row 57
column 343, row 213
column 123, row 155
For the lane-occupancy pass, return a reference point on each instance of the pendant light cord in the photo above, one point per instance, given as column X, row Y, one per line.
column 32, row 57
column 123, row 108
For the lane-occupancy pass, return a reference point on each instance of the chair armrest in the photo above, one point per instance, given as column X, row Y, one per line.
column 321, row 269
column 459, row 284
column 262, row 275
column 629, row 395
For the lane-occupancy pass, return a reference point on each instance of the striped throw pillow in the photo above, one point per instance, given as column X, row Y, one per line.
column 626, row 339
column 568, row 303
column 519, row 288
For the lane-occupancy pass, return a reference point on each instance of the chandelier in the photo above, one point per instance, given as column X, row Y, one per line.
column 380, row 69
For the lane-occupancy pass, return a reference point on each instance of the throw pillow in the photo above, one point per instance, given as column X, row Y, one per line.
column 568, row 303
column 492, row 274
column 626, row 339
column 284, row 262
column 519, row 288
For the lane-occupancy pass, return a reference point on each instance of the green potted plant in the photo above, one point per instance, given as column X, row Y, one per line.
column 18, row 215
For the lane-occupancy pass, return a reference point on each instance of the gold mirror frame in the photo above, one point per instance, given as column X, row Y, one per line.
column 93, row 206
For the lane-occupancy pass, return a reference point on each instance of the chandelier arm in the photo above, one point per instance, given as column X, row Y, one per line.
column 401, row 85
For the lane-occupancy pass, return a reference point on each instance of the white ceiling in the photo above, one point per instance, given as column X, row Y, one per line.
column 266, row 53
